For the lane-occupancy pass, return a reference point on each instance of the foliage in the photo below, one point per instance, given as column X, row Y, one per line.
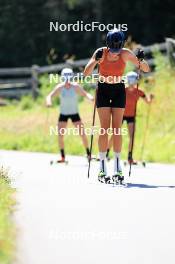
column 26, row 39
column 26, row 103
column 7, row 231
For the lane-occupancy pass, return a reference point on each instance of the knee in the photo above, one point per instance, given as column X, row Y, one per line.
column 117, row 131
column 60, row 133
column 104, row 131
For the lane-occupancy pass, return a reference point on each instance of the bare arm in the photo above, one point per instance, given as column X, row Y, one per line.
column 128, row 55
column 53, row 93
column 90, row 66
column 93, row 62
column 82, row 92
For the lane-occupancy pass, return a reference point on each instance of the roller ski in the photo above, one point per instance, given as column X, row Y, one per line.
column 130, row 161
column 52, row 162
column 103, row 178
column 118, row 179
column 134, row 163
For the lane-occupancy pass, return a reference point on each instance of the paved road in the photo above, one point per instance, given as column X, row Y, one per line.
column 65, row 218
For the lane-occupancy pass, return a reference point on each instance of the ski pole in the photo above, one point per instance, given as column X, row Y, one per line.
column 146, row 131
column 135, row 112
column 150, row 82
column 92, row 135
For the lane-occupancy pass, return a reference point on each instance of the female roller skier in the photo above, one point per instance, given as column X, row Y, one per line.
column 111, row 97
column 69, row 92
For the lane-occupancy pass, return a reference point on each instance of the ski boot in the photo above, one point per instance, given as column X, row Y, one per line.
column 130, row 159
column 62, row 160
column 133, row 162
column 103, row 178
column 118, row 178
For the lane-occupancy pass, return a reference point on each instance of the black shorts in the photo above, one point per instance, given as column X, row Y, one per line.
column 129, row 119
column 111, row 95
column 74, row 118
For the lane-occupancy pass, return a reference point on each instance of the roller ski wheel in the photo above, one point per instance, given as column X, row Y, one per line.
column 125, row 163
column 103, row 178
column 142, row 163
column 52, row 162
column 118, row 179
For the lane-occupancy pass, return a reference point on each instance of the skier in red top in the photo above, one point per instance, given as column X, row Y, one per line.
column 132, row 97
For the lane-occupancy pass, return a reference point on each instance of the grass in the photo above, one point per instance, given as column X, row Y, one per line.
column 25, row 125
column 7, row 230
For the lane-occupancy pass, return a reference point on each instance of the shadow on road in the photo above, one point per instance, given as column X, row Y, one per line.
column 146, row 186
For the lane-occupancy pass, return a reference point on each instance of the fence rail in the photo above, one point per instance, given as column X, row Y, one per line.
column 15, row 71
column 15, row 82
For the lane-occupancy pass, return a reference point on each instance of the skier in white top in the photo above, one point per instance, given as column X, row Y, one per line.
column 68, row 92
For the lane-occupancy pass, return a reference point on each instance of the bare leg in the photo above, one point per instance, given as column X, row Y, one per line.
column 117, row 117
column 131, row 133
column 105, row 119
column 110, row 142
column 61, row 127
column 131, row 130
column 80, row 126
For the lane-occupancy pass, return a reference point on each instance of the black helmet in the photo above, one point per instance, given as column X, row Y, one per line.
column 115, row 40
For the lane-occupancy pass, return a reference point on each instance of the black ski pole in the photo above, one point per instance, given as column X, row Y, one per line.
column 133, row 134
column 146, row 132
column 92, row 135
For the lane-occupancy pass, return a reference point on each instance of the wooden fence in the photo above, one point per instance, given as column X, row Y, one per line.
column 15, row 82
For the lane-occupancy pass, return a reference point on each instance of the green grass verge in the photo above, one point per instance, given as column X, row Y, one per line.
column 7, row 230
